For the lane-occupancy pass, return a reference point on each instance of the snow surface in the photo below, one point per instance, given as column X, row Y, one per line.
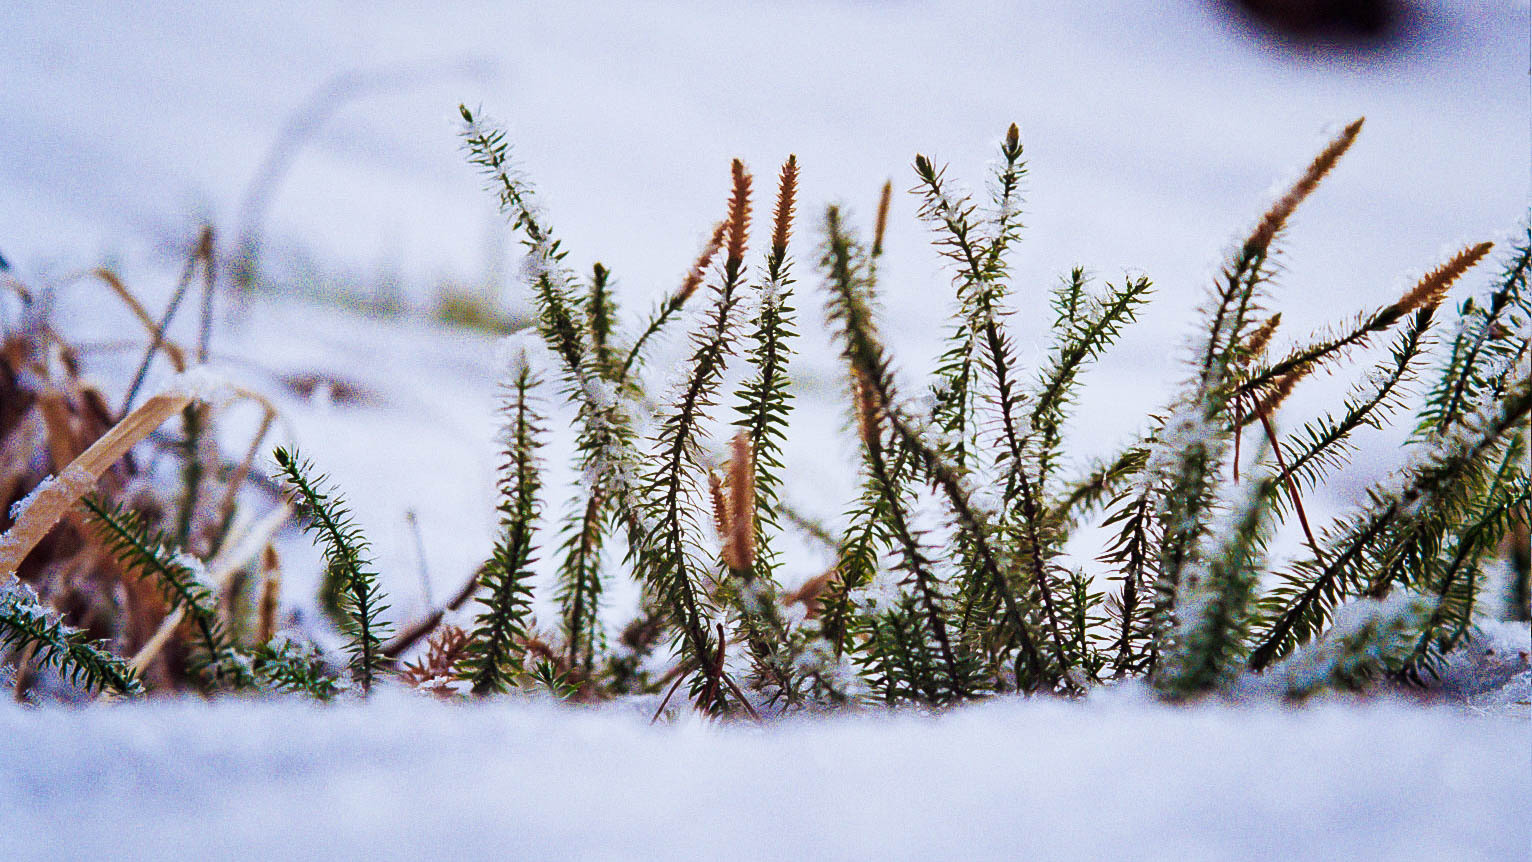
column 407, row 778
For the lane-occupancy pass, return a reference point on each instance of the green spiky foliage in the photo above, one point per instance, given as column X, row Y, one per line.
column 1130, row 553
column 497, row 650
column 955, row 573
column 671, row 563
column 1084, row 327
column 977, row 379
column 145, row 553
column 606, row 444
column 764, row 405
column 866, row 539
column 1326, row 444
column 1216, row 598
column 849, row 310
column 1403, row 528
column 324, row 515
column 293, row 668
column 1431, row 527
column 280, row 666
column 1367, row 639
column 1488, row 345
column 25, row 625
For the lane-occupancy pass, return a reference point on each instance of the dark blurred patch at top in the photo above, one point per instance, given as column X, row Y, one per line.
column 1331, row 25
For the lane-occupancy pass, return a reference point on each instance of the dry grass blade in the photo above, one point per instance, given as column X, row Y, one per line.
column 172, row 350
column 271, row 595
column 241, row 472
column 54, row 499
column 238, row 553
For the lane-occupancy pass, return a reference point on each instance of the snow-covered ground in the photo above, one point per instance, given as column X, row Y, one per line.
column 405, row 778
column 1153, row 131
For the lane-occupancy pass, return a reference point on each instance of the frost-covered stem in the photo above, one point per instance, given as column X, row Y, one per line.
column 919, row 567
column 1017, row 483
column 1427, row 482
column 580, row 616
column 668, row 568
column 657, row 320
column 498, row 645
column 1215, row 613
column 326, row 515
column 848, row 309
column 1361, row 412
column 1427, row 292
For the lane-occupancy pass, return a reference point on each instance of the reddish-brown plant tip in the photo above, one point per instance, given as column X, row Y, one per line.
column 698, row 271
column 787, row 196
column 882, row 223
column 739, row 546
column 1433, row 286
column 739, row 218
column 1276, row 218
column 1279, row 391
column 1259, row 339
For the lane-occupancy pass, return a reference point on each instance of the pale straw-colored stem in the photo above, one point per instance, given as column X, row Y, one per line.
column 78, row 479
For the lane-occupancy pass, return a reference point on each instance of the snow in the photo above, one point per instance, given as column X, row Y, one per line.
column 406, row 777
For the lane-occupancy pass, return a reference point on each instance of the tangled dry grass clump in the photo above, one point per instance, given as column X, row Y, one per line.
column 956, row 571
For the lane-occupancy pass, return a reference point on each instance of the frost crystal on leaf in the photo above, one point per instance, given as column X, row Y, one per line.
column 20, row 507
column 882, row 593
column 200, row 383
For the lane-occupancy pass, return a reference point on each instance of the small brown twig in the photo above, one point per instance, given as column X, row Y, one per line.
column 426, row 624
column 680, row 678
column 1292, row 486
